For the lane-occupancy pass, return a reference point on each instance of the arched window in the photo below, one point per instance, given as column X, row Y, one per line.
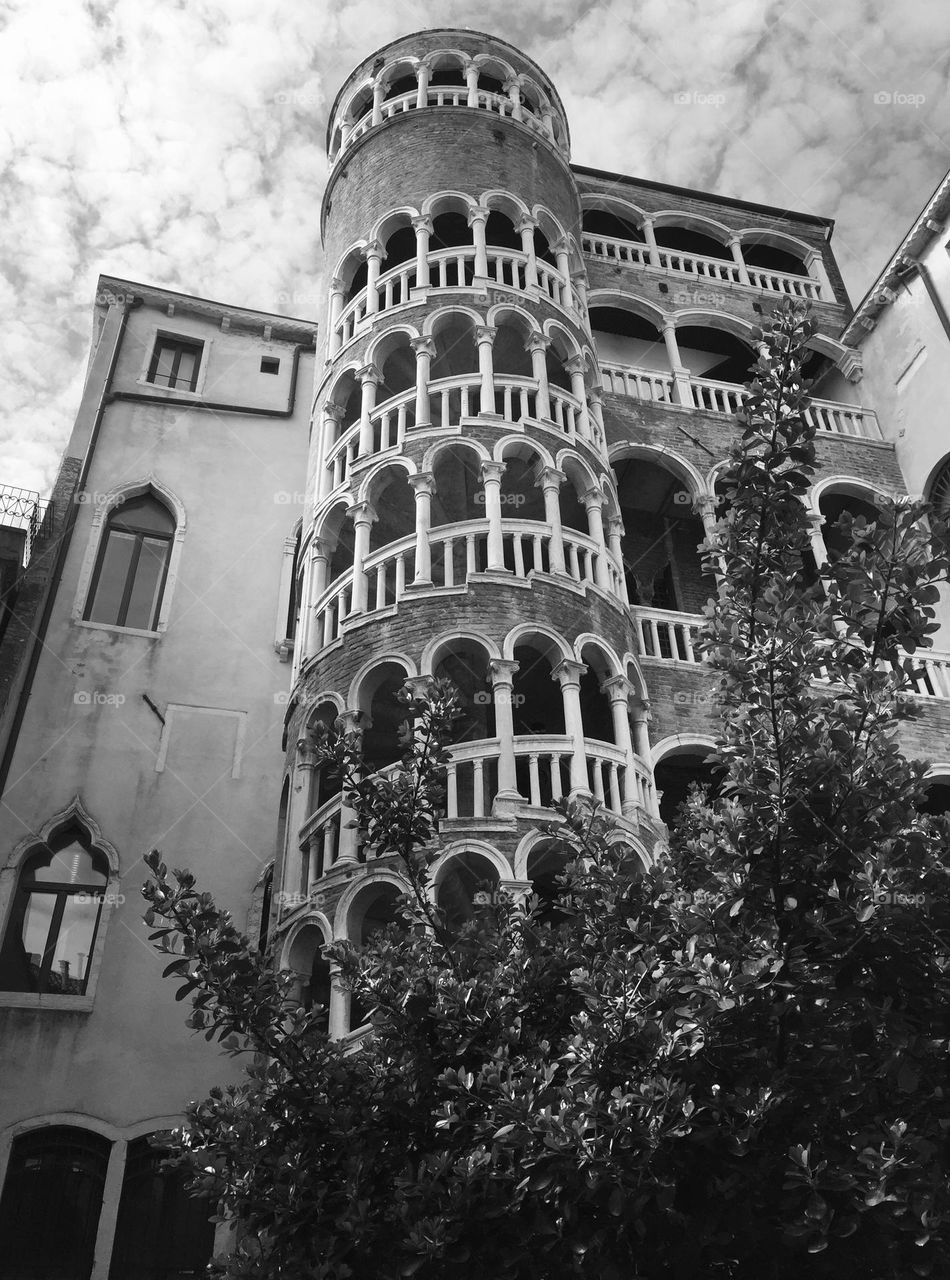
column 132, row 565
column 162, row 1233
column 52, row 1197
column 50, row 938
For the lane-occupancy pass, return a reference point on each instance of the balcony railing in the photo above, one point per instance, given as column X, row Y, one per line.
column 722, row 270
column 827, row 416
column 458, row 552
column 671, row 637
column 453, row 269
column 451, row 400
column 447, row 96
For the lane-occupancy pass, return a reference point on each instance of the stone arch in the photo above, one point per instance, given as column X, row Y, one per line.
column 457, row 495
column 508, row 443
column 663, row 456
column 864, row 490
column 457, row 873
column 692, row 750
column 693, row 222
column 356, row 691
column 448, row 201
column 454, row 59
column 432, row 653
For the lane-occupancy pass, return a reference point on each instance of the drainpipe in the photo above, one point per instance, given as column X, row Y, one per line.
column 932, row 293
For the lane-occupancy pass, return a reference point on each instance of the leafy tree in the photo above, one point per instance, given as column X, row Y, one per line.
column 733, row 1064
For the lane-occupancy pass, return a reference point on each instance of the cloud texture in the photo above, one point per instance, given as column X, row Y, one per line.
column 182, row 143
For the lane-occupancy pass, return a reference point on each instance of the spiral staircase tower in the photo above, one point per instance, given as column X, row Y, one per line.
column 461, row 516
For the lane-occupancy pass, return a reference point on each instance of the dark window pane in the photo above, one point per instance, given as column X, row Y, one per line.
column 143, row 515
column 49, row 1212
column 175, row 363
column 70, row 865
column 162, row 1233
column 72, row 947
column 113, row 575
column 142, row 610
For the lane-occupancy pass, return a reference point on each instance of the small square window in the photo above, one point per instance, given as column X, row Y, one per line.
column 270, row 364
column 175, row 363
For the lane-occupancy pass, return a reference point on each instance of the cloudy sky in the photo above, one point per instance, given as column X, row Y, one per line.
column 179, row 142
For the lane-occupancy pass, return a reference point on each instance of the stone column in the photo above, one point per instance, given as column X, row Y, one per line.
column 422, row 76
column 298, row 811
column 338, row 1020
column 423, row 485
column 593, row 501
column 705, row 505
column 575, row 367
column 526, row 228
column 329, row 435
column 579, row 290
column 649, row 235
column 337, row 295
column 319, row 580
column 614, row 541
column 815, row 266
column 550, row 481
column 369, row 377
column 363, row 516
column 682, row 393
column 502, row 672
column 491, row 479
column 568, row 675
column 373, row 253
column 425, row 350
column 547, row 120
column 471, row 79
column 735, row 247
column 538, row 344
column 423, row 230
column 485, row 336
column 597, row 415
column 348, row 850
column 379, row 92
column 562, row 254
column 818, row 549
column 618, row 690
column 477, row 218
column 640, row 715
column 513, row 90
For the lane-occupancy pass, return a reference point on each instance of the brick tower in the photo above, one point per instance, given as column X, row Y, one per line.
column 461, row 516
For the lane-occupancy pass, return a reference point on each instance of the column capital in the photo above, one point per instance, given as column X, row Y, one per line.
column 485, row 333
column 734, row 240
column 668, row 324
column 593, row 498
column 422, row 223
column 370, row 373
column 501, row 671
column 705, row 502
column 615, row 525
column 330, row 409
column 537, row 342
column 579, row 273
column 320, row 547
column 576, row 364
column 561, row 245
column 337, row 285
column 423, row 346
column 362, row 513
column 418, row 686
column 526, row 223
column 478, row 213
column 372, row 248
column 352, row 719
column 513, row 82
column 493, row 470
column 617, row 688
column 422, row 482
column 568, row 672
column 815, row 519
column 550, row 478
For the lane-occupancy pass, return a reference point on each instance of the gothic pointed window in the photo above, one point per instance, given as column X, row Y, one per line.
column 51, row 935
column 132, row 565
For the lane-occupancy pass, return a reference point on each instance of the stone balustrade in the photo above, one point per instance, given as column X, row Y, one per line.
column 828, row 416
column 723, row 270
column 666, row 634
